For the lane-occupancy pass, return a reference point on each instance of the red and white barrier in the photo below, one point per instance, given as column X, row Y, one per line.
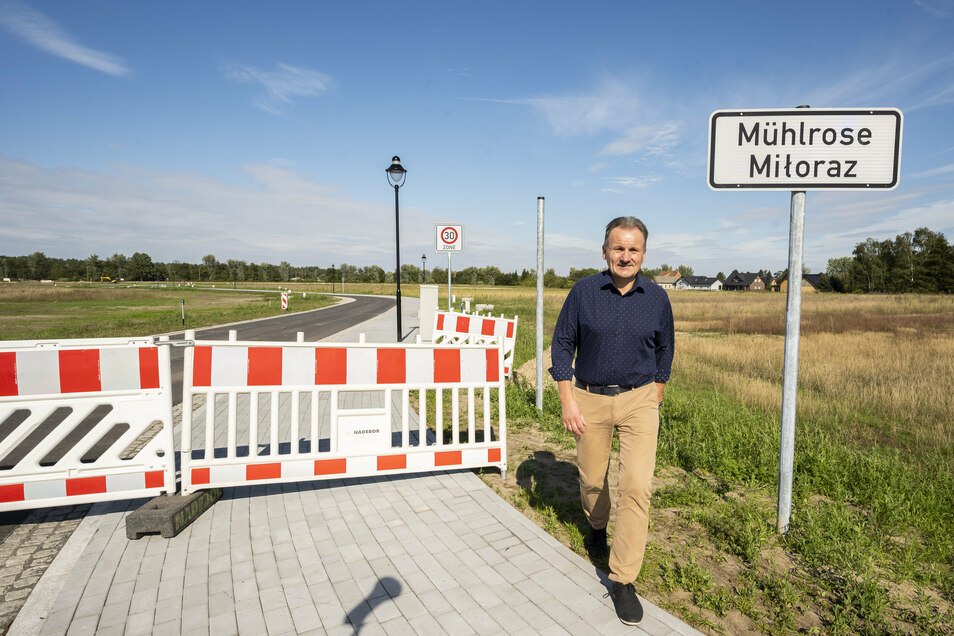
column 74, row 416
column 283, row 412
column 455, row 328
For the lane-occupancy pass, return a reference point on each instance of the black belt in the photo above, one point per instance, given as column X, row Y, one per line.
column 604, row 389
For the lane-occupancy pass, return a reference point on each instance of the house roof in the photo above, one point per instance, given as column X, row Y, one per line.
column 666, row 278
column 742, row 278
column 700, row 281
column 811, row 279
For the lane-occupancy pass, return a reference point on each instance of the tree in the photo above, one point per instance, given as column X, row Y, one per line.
column 209, row 262
column 140, row 267
column 684, row 270
column 720, row 276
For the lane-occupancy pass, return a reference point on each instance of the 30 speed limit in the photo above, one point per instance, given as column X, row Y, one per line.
column 450, row 238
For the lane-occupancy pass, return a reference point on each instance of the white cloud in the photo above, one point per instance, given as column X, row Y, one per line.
column 937, row 8
column 934, row 172
column 633, row 182
column 281, row 85
column 653, row 140
column 612, row 106
column 285, row 215
column 44, row 34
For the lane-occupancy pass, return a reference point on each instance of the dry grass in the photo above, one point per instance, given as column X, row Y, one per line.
column 881, row 366
column 764, row 313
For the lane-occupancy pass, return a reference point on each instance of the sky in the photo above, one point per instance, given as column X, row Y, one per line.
column 261, row 131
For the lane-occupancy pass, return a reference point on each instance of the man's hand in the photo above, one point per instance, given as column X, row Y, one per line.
column 660, row 387
column 572, row 414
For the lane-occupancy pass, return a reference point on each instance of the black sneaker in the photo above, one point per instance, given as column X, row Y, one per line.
column 595, row 544
column 628, row 608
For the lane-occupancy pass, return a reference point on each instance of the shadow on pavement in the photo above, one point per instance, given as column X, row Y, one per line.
column 384, row 590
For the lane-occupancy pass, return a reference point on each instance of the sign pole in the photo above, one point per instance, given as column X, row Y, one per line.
column 539, row 303
column 793, row 314
column 450, row 306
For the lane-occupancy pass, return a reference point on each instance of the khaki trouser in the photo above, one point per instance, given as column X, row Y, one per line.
column 635, row 414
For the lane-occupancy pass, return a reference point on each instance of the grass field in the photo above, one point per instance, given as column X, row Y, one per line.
column 871, row 545
column 42, row 311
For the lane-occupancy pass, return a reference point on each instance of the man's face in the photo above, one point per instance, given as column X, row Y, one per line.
column 624, row 252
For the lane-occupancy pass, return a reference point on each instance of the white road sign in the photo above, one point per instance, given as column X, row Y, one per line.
column 805, row 149
column 450, row 238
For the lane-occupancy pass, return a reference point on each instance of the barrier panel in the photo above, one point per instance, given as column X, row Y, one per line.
column 83, row 421
column 286, row 412
column 456, row 328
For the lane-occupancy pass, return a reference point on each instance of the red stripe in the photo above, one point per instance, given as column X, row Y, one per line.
column 79, row 371
column 493, row 366
column 446, row 365
column 8, row 373
column 493, row 454
column 148, row 368
column 331, row 466
column 85, row 486
column 254, row 472
column 200, row 476
column 448, row 458
column 155, row 479
column 264, row 366
column 487, row 327
column 202, row 368
column 463, row 324
column 331, row 366
column 440, row 321
column 509, row 329
column 392, row 462
column 392, row 366
column 11, row 492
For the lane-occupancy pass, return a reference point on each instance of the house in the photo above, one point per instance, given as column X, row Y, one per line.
column 744, row 281
column 666, row 279
column 709, row 283
column 809, row 282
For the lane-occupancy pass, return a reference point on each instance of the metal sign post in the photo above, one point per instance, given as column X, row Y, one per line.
column 539, row 303
column 798, row 150
column 793, row 316
column 449, row 238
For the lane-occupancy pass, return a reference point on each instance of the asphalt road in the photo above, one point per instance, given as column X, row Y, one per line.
column 316, row 325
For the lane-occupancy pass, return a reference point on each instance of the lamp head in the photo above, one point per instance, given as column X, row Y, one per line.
column 396, row 172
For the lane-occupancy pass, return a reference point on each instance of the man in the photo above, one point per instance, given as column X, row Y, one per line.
column 619, row 325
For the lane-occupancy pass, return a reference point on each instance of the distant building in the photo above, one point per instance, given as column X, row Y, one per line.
column 707, row 283
column 666, row 280
column 744, row 281
column 809, row 282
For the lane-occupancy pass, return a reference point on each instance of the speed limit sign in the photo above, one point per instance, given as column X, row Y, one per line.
column 450, row 238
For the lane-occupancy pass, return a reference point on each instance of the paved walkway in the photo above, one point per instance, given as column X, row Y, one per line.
column 427, row 554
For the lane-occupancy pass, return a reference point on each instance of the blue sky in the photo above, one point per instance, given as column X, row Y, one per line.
column 261, row 131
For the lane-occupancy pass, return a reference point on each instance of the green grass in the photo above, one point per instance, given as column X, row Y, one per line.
column 111, row 311
column 864, row 521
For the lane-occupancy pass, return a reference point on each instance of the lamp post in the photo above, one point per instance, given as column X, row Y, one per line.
column 396, row 176
column 423, row 268
column 332, row 278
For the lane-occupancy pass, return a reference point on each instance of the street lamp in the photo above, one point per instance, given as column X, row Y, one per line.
column 332, row 278
column 423, row 268
column 396, row 175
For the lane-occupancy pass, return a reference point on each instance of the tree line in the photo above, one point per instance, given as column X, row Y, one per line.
column 920, row 261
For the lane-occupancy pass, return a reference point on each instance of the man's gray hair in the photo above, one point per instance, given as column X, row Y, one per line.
column 627, row 223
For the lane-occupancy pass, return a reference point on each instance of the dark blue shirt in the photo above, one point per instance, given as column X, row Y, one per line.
column 618, row 339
